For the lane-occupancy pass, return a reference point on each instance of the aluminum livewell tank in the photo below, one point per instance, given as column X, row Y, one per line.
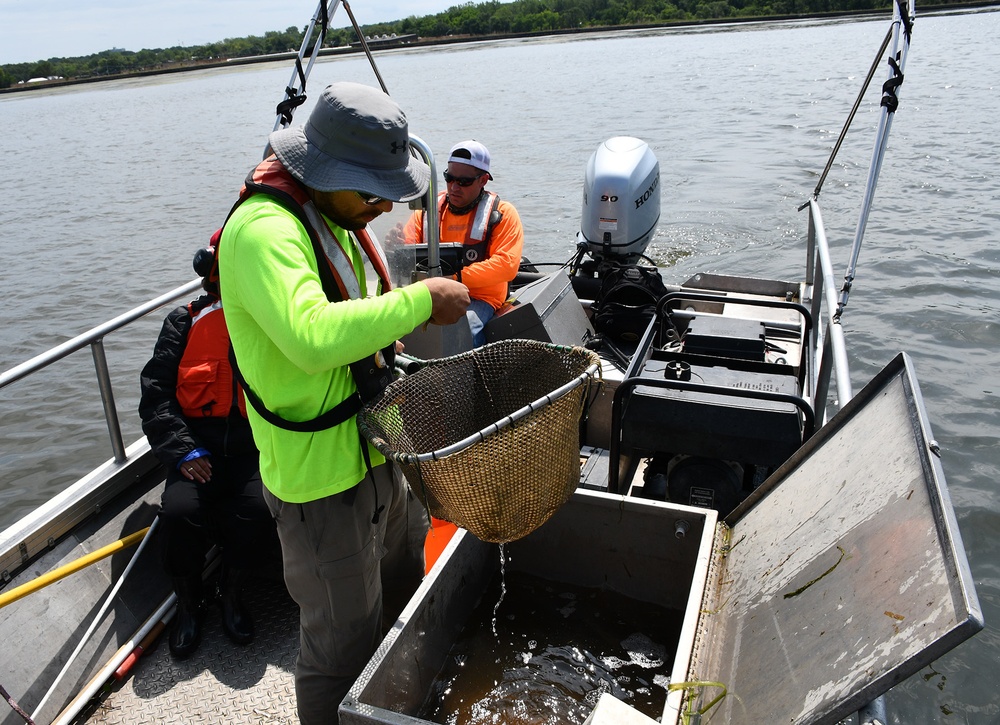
column 595, row 540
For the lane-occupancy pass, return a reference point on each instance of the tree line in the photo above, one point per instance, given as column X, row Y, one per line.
column 118, row 61
column 469, row 19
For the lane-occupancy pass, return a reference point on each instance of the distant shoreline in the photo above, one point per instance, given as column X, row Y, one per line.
column 452, row 40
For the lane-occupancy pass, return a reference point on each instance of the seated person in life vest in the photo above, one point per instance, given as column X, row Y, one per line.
column 489, row 228
column 194, row 416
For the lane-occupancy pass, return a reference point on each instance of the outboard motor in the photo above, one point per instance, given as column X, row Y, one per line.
column 621, row 208
column 621, row 201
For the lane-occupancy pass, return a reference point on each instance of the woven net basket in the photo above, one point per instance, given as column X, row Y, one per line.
column 489, row 439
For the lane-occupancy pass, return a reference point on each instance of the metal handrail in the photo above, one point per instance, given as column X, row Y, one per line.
column 95, row 339
column 830, row 346
column 431, row 230
column 829, row 342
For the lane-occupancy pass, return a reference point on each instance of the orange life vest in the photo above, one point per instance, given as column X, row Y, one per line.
column 205, row 384
column 479, row 227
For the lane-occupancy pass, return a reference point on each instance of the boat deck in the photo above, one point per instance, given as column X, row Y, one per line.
column 220, row 682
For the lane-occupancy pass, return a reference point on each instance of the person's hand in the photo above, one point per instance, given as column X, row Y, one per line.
column 449, row 300
column 197, row 469
column 395, row 234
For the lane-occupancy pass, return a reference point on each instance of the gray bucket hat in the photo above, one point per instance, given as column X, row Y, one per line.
column 356, row 138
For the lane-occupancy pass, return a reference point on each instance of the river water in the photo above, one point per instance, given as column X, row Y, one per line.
column 110, row 188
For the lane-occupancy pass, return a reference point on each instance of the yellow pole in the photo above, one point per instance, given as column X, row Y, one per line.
column 74, row 566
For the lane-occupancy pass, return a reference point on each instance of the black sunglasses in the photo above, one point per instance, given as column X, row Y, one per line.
column 460, row 180
column 369, row 199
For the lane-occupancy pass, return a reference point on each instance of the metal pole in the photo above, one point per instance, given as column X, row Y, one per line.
column 97, row 619
column 295, row 94
column 364, row 47
column 897, row 62
column 71, row 568
column 97, row 682
column 873, row 713
column 432, row 229
column 835, row 331
column 108, row 398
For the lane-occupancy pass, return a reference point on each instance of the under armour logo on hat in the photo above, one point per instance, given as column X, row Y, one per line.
column 397, row 147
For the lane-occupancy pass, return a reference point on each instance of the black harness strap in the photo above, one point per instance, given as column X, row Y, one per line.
column 333, row 417
column 360, row 369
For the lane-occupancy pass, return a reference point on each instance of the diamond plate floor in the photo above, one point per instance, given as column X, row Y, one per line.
column 221, row 682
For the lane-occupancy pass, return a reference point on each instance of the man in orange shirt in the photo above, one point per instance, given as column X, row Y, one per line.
column 489, row 229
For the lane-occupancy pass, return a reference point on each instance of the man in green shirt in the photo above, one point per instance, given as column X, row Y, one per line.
column 300, row 314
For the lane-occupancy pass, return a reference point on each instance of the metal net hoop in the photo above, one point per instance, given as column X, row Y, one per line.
column 489, row 439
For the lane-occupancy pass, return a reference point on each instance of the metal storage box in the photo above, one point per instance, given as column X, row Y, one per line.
column 842, row 575
column 594, row 540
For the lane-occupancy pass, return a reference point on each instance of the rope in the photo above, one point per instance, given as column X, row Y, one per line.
column 15, row 707
column 690, row 715
column 364, row 45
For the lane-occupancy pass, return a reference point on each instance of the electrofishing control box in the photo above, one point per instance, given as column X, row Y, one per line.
column 840, row 576
column 546, row 309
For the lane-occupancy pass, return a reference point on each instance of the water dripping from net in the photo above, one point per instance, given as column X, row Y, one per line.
column 503, row 590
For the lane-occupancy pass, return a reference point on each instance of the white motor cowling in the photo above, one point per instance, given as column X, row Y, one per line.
column 621, row 200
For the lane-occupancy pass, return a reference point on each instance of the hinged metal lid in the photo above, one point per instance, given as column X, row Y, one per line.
column 844, row 573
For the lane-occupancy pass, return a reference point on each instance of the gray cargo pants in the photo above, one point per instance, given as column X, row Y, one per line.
column 343, row 570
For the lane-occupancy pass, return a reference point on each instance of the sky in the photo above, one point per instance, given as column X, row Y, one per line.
column 32, row 30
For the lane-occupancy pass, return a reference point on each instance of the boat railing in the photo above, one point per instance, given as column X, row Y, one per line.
column 828, row 344
column 41, row 528
column 94, row 338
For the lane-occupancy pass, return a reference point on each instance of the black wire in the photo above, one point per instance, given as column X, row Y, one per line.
column 850, row 116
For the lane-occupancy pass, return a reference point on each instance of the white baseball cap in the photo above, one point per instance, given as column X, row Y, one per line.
column 472, row 153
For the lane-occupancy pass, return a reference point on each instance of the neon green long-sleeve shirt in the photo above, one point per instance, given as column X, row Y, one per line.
column 294, row 346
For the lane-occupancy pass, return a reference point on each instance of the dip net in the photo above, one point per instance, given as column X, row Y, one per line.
column 489, row 439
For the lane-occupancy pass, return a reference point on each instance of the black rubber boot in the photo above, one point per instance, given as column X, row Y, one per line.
column 186, row 633
column 236, row 620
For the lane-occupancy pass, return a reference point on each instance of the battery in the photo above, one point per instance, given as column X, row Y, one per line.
column 725, row 337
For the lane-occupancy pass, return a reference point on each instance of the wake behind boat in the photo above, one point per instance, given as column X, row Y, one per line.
column 812, row 555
